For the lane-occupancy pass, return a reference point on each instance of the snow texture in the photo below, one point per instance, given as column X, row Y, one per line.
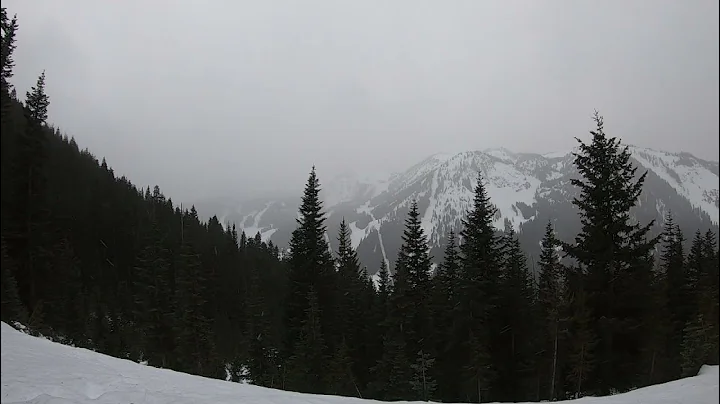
column 35, row 370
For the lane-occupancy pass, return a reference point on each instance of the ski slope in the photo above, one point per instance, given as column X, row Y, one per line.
column 35, row 370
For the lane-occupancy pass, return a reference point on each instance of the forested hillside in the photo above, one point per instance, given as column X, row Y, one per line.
column 91, row 260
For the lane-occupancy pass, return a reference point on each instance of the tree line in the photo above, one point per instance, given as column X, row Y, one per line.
column 94, row 261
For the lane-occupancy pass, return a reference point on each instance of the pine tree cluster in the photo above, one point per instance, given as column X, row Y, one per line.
column 91, row 260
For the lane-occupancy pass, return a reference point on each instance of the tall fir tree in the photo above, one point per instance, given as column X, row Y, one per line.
column 37, row 102
column 678, row 290
column 9, row 31
column 515, row 354
column 311, row 266
column 612, row 251
column 192, row 327
column 306, row 365
column 422, row 381
column 407, row 324
column 412, row 285
column 549, row 309
column 478, row 295
column 354, row 299
column 152, row 305
column 449, row 352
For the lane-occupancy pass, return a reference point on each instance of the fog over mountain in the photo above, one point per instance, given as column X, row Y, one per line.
column 251, row 94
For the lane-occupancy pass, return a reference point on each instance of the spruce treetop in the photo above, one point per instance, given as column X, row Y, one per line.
column 608, row 190
column 413, row 257
column 37, row 101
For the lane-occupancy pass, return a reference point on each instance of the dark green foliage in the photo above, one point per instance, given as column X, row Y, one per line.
column 445, row 317
column 306, row 365
column 339, row 375
column 355, row 295
column 514, row 352
column 392, row 372
column 12, row 308
column 581, row 356
column 679, row 291
column 549, row 302
column 310, row 267
column 422, row 382
column 697, row 345
column 37, row 102
column 478, row 297
column 411, row 284
column 9, row 29
column 407, row 324
column 707, row 299
column 192, row 328
column 612, row 252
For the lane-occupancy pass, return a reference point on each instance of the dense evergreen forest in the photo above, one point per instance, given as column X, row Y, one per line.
column 91, row 260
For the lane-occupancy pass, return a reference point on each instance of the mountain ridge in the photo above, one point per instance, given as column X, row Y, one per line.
column 528, row 189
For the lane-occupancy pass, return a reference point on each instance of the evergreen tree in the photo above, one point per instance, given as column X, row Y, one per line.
column 262, row 367
column 378, row 328
column 392, row 372
column 339, row 375
column 658, row 348
column 64, row 297
column 697, row 346
column 612, row 251
column 310, row 267
column 422, row 383
column 412, row 284
column 192, row 328
column 9, row 30
column 306, row 364
column 478, row 295
column 515, row 354
column 151, row 309
column 407, row 323
column 549, row 307
column 355, row 296
column 708, row 294
column 678, row 290
column 37, row 102
column 12, row 308
column 384, row 284
column 445, row 285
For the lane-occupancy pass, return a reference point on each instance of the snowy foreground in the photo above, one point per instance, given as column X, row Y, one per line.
column 35, row 370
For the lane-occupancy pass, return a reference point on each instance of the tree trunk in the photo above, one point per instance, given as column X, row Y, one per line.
column 652, row 367
column 580, row 373
column 554, row 366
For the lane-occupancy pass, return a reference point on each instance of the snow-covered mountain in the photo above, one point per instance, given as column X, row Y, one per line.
column 527, row 189
column 35, row 370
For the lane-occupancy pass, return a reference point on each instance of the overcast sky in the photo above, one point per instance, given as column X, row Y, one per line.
column 214, row 97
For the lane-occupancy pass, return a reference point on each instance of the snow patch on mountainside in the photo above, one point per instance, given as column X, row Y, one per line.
column 690, row 179
column 356, row 234
column 36, row 370
column 503, row 154
column 427, row 219
column 509, row 187
column 251, row 229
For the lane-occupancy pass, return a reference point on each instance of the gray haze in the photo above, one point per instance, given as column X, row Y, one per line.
column 209, row 98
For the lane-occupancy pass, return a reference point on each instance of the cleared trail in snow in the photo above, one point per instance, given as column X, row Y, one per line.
column 35, row 370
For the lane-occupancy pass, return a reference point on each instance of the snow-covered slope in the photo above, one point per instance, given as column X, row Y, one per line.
column 35, row 370
column 527, row 189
